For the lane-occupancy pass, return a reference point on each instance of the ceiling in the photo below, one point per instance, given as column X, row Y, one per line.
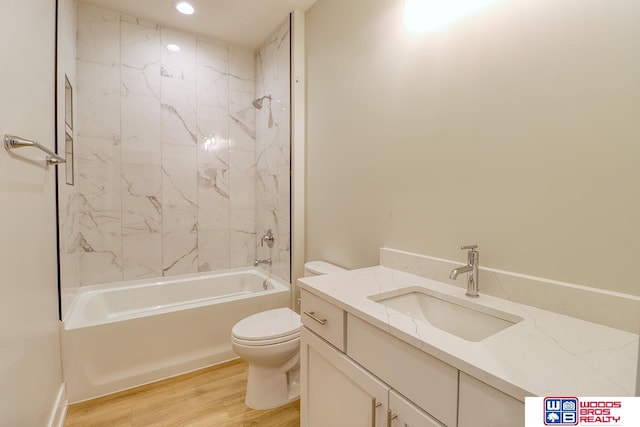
column 244, row 22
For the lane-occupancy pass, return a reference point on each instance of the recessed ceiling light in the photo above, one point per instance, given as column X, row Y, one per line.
column 173, row 48
column 185, row 8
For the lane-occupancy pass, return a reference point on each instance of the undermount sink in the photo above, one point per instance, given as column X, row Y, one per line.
column 464, row 319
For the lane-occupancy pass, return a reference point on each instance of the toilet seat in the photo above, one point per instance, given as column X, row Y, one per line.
column 268, row 327
column 272, row 341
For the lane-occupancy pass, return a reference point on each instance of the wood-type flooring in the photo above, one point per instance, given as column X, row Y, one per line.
column 210, row 397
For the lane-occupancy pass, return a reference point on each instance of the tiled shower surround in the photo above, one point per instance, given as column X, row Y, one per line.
column 273, row 147
column 170, row 176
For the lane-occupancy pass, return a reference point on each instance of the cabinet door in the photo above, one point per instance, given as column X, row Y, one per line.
column 335, row 391
column 426, row 381
column 483, row 406
column 405, row 414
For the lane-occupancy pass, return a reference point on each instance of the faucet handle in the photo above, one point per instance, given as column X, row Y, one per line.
column 268, row 237
column 471, row 247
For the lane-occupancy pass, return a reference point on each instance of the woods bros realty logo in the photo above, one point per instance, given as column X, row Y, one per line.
column 569, row 411
column 582, row 411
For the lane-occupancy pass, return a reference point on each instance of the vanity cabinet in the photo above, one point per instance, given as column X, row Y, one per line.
column 403, row 413
column 324, row 319
column 483, row 405
column 425, row 380
column 355, row 374
column 338, row 392
column 335, row 390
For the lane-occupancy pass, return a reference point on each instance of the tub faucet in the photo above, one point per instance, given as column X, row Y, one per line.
column 472, row 268
column 262, row 261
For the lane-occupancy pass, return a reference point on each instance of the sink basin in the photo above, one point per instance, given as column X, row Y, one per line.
column 464, row 319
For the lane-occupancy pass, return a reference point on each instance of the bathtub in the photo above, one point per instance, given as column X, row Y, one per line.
column 125, row 334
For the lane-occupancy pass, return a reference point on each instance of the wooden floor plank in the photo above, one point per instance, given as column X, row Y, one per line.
column 209, row 397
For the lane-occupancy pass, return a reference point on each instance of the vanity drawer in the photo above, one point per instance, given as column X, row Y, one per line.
column 323, row 318
column 428, row 382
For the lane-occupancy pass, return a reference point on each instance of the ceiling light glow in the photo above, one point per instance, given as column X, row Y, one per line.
column 173, row 48
column 431, row 15
column 185, row 8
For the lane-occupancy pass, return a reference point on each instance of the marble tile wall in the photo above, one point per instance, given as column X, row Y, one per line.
column 68, row 196
column 166, row 150
column 273, row 148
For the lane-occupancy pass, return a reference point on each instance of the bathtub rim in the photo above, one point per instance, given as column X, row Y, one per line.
column 85, row 292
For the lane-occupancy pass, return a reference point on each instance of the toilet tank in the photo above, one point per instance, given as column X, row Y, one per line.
column 316, row 268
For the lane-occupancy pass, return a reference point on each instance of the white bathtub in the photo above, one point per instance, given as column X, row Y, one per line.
column 125, row 334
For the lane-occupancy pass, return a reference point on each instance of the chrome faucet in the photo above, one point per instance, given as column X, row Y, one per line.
column 473, row 258
column 262, row 261
column 268, row 237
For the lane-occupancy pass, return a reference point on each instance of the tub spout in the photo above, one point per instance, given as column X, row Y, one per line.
column 262, row 261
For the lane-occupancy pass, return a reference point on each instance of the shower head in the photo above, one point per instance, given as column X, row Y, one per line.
column 258, row 102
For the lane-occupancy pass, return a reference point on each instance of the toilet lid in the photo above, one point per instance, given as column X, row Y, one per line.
column 280, row 322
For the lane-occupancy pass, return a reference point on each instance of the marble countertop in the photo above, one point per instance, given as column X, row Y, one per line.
column 546, row 354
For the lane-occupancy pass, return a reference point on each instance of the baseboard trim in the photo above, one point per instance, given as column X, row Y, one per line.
column 59, row 410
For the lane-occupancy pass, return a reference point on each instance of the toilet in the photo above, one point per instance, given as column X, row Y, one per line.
column 270, row 342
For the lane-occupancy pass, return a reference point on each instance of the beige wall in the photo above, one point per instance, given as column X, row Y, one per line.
column 30, row 370
column 516, row 128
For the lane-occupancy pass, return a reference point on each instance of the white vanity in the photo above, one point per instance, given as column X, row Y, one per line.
column 369, row 359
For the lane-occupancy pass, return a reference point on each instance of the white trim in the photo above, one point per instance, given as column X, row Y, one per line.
column 298, row 152
column 59, row 410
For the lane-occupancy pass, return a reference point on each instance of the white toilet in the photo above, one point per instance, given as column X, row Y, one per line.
column 270, row 342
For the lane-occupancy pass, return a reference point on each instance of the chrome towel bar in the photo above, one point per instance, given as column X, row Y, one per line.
column 11, row 142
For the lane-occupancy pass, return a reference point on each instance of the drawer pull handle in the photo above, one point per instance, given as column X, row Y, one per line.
column 312, row 314
column 390, row 417
column 374, row 405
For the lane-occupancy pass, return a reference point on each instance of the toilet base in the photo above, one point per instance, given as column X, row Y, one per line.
column 269, row 388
